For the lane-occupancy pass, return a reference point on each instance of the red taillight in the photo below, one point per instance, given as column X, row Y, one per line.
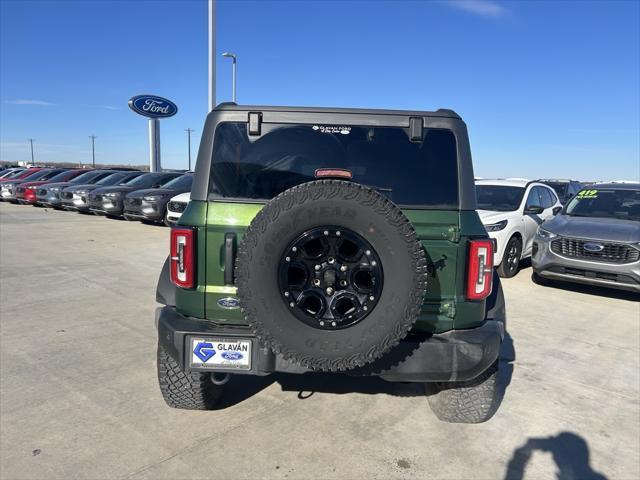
column 480, row 269
column 182, row 257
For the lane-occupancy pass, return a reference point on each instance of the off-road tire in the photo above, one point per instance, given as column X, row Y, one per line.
column 341, row 204
column 185, row 390
column 504, row 269
column 474, row 401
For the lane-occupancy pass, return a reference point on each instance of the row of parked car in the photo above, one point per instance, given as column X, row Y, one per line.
column 579, row 233
column 582, row 233
column 115, row 192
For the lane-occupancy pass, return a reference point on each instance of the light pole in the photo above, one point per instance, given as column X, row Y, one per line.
column 93, row 149
column 189, row 130
column 31, row 142
column 212, row 54
column 234, row 58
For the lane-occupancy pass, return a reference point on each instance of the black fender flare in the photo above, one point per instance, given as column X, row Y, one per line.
column 166, row 291
column 495, row 305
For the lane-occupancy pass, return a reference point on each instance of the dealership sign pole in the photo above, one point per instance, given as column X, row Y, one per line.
column 154, row 108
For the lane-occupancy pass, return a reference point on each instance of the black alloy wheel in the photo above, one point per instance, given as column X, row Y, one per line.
column 330, row 277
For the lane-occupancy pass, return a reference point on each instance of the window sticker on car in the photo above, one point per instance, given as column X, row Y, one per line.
column 332, row 129
column 587, row 194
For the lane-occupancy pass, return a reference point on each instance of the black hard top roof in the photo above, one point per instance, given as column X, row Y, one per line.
column 442, row 112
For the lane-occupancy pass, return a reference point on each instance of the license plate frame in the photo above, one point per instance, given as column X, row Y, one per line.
column 220, row 353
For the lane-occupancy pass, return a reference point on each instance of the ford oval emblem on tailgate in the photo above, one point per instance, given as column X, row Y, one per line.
column 593, row 247
column 229, row 303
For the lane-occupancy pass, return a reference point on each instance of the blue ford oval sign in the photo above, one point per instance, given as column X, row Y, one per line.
column 153, row 106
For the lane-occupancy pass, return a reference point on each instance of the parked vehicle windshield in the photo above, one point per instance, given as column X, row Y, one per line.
column 420, row 173
column 14, row 174
column 142, row 180
column 60, row 177
column 42, row 175
column 498, row 198
column 112, row 179
column 85, row 177
column 614, row 203
column 183, row 181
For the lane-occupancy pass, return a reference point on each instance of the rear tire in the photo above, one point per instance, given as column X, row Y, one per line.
column 185, row 390
column 510, row 263
column 474, row 401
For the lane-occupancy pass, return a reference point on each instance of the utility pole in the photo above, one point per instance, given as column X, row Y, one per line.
column 212, row 54
column 93, row 149
column 189, row 130
column 31, row 142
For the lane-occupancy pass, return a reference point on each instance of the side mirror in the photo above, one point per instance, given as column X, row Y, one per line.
column 533, row 210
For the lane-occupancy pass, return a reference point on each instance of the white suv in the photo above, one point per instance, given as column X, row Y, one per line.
column 175, row 207
column 511, row 211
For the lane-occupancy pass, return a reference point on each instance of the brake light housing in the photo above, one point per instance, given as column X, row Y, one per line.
column 480, row 269
column 182, row 257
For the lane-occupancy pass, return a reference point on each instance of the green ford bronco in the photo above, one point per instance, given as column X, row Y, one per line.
column 332, row 240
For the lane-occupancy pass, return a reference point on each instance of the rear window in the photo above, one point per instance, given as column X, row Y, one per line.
column 420, row 173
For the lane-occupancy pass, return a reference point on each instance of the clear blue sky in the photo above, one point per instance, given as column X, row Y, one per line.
column 546, row 88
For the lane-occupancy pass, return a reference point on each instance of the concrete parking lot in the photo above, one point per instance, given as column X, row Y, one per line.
column 79, row 397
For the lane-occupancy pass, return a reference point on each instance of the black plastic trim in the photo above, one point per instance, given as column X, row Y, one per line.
column 229, row 257
column 166, row 291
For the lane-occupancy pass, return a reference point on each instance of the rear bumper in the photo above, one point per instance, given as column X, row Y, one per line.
column 451, row 356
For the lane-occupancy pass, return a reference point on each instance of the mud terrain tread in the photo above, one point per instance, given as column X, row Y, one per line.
column 327, row 189
column 474, row 401
column 190, row 391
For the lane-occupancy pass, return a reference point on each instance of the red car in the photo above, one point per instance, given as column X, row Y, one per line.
column 7, row 186
column 26, row 192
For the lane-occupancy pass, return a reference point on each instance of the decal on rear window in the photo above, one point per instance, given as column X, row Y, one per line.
column 332, row 129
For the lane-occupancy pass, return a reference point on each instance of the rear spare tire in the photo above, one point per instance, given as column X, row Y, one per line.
column 331, row 275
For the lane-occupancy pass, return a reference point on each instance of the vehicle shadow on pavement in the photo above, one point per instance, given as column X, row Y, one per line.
column 594, row 290
column 309, row 383
column 505, row 366
column 240, row 388
column 570, row 452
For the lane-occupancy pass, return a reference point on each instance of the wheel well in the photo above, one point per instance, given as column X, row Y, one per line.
column 518, row 235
